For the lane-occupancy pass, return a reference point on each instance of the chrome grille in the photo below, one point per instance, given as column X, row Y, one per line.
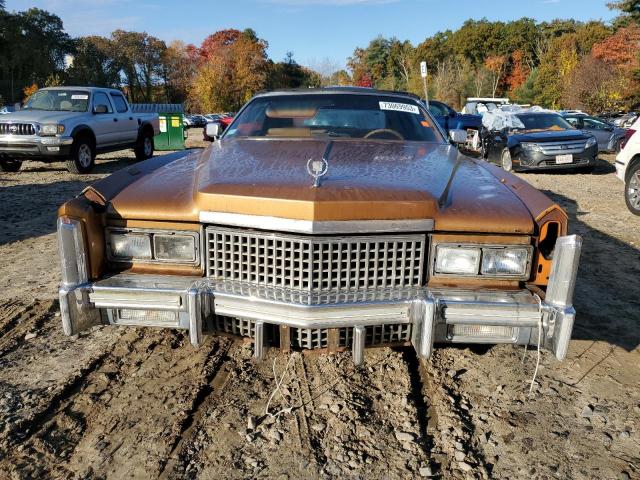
column 313, row 338
column 17, row 129
column 315, row 264
column 562, row 148
column 235, row 326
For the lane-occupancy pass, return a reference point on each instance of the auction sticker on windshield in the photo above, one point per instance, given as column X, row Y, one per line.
column 399, row 107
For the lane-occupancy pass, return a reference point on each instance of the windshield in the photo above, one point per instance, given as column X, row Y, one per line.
column 544, row 122
column 341, row 115
column 59, row 101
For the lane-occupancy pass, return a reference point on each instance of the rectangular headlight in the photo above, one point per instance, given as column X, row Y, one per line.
column 51, row 129
column 131, row 245
column 505, row 261
column 457, row 260
column 531, row 147
column 180, row 248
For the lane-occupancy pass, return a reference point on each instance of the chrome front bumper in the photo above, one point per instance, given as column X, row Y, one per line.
column 435, row 316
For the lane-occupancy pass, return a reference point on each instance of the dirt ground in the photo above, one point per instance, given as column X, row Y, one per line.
column 134, row 403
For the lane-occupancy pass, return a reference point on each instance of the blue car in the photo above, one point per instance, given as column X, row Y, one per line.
column 449, row 119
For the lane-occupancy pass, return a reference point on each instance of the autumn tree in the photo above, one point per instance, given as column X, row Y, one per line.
column 556, row 65
column 233, row 67
column 594, row 86
column 620, row 49
column 179, row 66
column 518, row 73
column 496, row 66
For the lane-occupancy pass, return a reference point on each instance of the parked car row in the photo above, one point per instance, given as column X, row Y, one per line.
column 199, row 121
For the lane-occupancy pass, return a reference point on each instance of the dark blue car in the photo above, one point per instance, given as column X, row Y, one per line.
column 449, row 119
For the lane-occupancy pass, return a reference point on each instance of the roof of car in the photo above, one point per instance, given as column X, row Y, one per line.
column 337, row 89
column 544, row 112
column 88, row 89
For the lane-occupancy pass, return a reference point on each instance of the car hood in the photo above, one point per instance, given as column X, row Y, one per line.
column 38, row 116
column 366, row 180
column 548, row 136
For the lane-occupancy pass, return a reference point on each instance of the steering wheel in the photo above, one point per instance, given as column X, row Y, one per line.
column 384, row 130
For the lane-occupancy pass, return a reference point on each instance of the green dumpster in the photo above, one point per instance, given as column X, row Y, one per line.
column 171, row 119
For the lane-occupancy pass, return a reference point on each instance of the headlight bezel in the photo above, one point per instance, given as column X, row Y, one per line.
column 481, row 247
column 591, row 142
column 51, row 129
column 151, row 233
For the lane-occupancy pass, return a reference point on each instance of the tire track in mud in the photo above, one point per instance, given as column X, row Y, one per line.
column 217, row 373
column 452, row 431
column 95, row 423
column 335, row 420
column 18, row 318
column 35, row 435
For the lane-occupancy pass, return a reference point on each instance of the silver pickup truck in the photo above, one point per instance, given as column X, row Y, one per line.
column 73, row 124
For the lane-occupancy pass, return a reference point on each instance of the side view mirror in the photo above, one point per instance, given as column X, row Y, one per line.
column 213, row 130
column 100, row 109
column 458, row 136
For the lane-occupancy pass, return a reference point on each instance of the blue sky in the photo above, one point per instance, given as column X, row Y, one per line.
column 317, row 31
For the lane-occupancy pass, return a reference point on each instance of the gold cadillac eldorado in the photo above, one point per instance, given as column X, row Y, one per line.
column 336, row 218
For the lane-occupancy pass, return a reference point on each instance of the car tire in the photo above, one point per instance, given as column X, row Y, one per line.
column 145, row 148
column 505, row 160
column 632, row 189
column 10, row 164
column 83, row 155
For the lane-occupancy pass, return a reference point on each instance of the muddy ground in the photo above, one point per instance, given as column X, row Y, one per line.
column 133, row 403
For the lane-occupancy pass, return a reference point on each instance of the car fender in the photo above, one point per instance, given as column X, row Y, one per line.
column 145, row 126
column 635, row 160
column 83, row 128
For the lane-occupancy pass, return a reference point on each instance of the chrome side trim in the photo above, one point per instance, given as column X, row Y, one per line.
column 559, row 297
column 316, row 227
column 564, row 270
column 72, row 252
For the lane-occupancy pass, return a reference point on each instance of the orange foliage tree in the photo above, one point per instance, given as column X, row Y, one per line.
column 232, row 68
column 519, row 72
column 28, row 91
column 620, row 49
column 496, row 65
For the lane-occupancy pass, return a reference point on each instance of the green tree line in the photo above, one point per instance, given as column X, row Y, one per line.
column 561, row 64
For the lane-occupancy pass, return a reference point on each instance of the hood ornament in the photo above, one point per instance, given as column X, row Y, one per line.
column 317, row 169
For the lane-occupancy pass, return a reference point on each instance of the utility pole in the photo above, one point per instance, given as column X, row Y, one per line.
column 423, row 72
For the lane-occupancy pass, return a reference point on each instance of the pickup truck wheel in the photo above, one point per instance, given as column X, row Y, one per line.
column 632, row 190
column 10, row 164
column 83, row 156
column 144, row 149
column 505, row 160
